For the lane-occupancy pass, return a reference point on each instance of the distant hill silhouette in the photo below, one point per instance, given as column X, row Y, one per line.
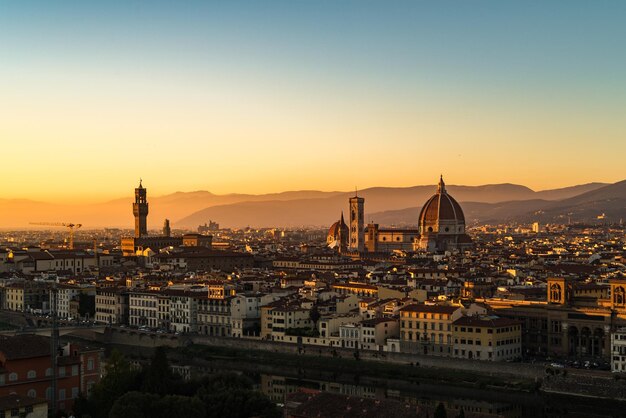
column 609, row 200
column 385, row 205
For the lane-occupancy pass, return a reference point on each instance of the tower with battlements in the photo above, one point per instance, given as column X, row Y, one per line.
column 140, row 210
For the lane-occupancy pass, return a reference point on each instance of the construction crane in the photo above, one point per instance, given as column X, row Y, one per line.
column 72, row 227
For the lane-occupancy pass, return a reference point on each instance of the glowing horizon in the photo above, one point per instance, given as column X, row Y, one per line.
column 237, row 97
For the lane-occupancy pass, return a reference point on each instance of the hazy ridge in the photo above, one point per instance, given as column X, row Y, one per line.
column 384, row 205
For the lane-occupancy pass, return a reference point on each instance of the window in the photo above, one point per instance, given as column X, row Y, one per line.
column 13, row 377
column 62, row 394
column 75, row 370
column 74, row 393
column 61, row 371
column 90, row 365
column 32, row 393
column 31, row 374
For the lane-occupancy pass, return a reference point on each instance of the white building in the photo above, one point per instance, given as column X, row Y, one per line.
column 350, row 336
column 328, row 326
column 376, row 331
column 245, row 312
column 144, row 308
column 66, row 293
column 183, row 310
column 618, row 350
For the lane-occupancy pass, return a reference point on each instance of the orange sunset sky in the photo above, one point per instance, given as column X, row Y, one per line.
column 318, row 95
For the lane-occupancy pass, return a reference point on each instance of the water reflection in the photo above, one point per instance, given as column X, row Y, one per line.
column 278, row 387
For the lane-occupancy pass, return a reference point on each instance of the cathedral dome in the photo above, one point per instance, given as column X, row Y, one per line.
column 442, row 214
column 338, row 232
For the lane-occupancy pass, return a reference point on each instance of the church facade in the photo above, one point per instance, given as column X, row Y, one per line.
column 441, row 227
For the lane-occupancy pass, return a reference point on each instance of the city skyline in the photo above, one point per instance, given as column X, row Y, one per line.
column 303, row 209
column 325, row 96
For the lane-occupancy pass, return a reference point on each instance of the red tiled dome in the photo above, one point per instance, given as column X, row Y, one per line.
column 440, row 207
column 333, row 231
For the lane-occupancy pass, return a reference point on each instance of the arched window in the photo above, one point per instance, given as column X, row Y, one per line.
column 555, row 292
column 32, row 393
column 619, row 297
column 31, row 374
column 13, row 377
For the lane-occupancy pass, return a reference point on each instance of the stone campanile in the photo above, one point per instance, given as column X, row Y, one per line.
column 357, row 232
column 140, row 210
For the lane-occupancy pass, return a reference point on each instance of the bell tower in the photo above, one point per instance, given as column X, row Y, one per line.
column 357, row 232
column 560, row 291
column 140, row 210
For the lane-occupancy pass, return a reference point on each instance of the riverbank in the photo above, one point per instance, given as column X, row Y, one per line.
column 411, row 368
column 356, row 377
column 412, row 372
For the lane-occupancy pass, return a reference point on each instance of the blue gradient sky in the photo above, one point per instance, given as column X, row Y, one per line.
column 269, row 96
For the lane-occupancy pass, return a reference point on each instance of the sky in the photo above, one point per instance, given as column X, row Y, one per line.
column 267, row 96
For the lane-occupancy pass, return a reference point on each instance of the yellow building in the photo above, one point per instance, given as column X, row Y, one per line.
column 25, row 296
column 359, row 289
column 487, row 338
column 427, row 329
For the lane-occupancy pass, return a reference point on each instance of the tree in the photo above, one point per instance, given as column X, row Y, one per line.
column 119, row 379
column 181, row 406
column 240, row 403
column 87, row 305
column 314, row 314
column 440, row 411
column 134, row 404
column 158, row 377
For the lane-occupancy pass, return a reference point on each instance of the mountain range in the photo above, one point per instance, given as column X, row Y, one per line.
column 384, row 205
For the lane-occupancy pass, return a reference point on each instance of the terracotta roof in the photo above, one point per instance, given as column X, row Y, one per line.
column 375, row 321
column 9, row 402
column 441, row 206
column 24, row 346
column 333, row 231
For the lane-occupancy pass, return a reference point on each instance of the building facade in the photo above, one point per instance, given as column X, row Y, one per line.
column 487, row 338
